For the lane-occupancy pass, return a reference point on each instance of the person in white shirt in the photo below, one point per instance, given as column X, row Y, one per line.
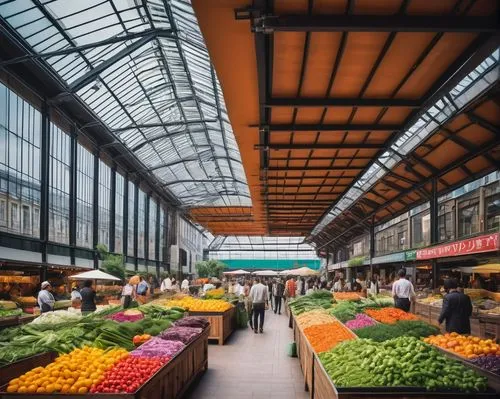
column 45, row 298
column 299, row 286
column 403, row 292
column 260, row 298
column 374, row 287
column 310, row 288
column 208, row 287
column 166, row 284
column 185, row 285
column 238, row 289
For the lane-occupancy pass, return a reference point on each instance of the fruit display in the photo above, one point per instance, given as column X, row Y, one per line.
column 403, row 361
column 196, row 305
column 312, row 317
column 140, row 339
column 466, row 346
column 488, row 362
column 411, row 328
column 432, row 299
column 128, row 375
column 346, row 296
column 389, row 315
column 360, row 321
column 323, row 337
column 216, row 293
column 317, row 299
column 26, row 301
column 75, row 372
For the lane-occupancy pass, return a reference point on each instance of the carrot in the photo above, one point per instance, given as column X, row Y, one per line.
column 389, row 315
column 323, row 337
column 346, row 296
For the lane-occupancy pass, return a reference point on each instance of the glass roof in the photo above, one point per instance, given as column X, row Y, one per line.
column 143, row 68
column 472, row 86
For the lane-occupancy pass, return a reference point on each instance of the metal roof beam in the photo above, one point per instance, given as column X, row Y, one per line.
column 313, row 158
column 341, row 102
column 484, row 123
column 374, row 23
column 340, row 127
column 306, row 168
column 282, row 186
column 315, row 177
column 167, row 124
column 322, row 146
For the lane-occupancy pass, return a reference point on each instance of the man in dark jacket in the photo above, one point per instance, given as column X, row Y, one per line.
column 457, row 308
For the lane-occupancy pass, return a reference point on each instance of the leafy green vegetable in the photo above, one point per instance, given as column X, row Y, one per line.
column 383, row 332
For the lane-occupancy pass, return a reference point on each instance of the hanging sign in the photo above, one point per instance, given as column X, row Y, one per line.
column 486, row 243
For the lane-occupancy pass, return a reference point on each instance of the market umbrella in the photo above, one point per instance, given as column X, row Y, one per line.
column 284, row 273
column 94, row 275
column 266, row 273
column 236, row 272
column 490, row 268
column 304, row 271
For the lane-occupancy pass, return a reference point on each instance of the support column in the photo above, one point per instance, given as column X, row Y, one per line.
column 136, row 225
column 44, row 181
column 72, row 192
column 157, row 233
column 146, row 228
column 125, row 217
column 95, row 217
column 112, row 210
column 372, row 244
column 434, row 229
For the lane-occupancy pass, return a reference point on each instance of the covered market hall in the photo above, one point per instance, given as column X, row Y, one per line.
column 249, row 198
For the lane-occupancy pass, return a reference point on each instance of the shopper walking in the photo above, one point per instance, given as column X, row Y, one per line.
column 185, row 286
column 45, row 298
column 290, row 288
column 270, row 290
column 278, row 290
column 300, row 283
column 128, row 293
column 374, row 286
column 142, row 291
column 88, row 298
column 76, row 297
column 248, row 302
column 260, row 298
column 403, row 292
column 456, row 310
column 166, row 284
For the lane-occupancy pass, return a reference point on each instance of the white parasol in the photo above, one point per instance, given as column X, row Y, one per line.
column 236, row 272
column 266, row 273
column 94, row 275
column 304, row 271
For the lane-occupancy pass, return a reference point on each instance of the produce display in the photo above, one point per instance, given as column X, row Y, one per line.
column 488, row 362
column 193, row 321
column 140, row 339
column 26, row 301
column 127, row 315
column 346, row 296
column 389, row 315
column 403, row 361
column 323, row 337
column 360, row 321
column 217, row 293
column 75, row 372
column 7, row 305
column 317, row 299
column 196, row 305
column 345, row 310
column 62, row 304
column 411, row 328
column 466, row 346
column 128, row 374
column 10, row 312
column 312, row 317
column 180, row 333
column 160, row 312
column 158, row 347
column 57, row 317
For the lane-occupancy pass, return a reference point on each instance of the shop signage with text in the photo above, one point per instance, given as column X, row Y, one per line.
column 486, row 243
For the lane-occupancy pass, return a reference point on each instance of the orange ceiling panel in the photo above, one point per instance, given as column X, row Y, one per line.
column 431, row 7
column 338, row 114
column 377, row 7
column 395, row 115
column 287, row 62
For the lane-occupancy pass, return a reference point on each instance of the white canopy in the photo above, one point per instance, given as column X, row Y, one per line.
column 284, row 273
column 94, row 275
column 304, row 271
column 236, row 272
column 266, row 273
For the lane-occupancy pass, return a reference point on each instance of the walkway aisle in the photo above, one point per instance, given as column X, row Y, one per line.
column 253, row 366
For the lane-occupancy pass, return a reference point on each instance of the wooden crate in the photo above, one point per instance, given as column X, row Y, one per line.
column 170, row 382
column 222, row 324
column 305, row 354
column 423, row 310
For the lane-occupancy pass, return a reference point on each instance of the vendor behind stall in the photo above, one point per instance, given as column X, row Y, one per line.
column 76, row 297
column 45, row 298
column 88, row 298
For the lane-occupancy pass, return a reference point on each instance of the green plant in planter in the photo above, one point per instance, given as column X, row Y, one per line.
column 111, row 263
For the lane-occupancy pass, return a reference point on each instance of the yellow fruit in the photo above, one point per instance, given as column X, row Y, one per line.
column 22, row 389
column 41, row 390
column 83, row 390
column 57, row 387
column 32, row 388
column 73, row 390
column 12, row 388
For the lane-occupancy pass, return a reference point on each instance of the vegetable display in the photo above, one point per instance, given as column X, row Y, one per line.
column 384, row 332
column 57, row 317
column 128, row 375
column 7, row 305
column 389, row 315
column 127, row 315
column 466, row 346
column 345, row 311
column 346, row 296
column 196, row 305
column 360, row 321
column 73, row 373
column 403, row 361
column 216, row 293
column 180, row 333
column 316, row 316
column 140, row 339
column 158, row 347
column 10, row 312
column 193, row 321
column 323, row 337
column 488, row 362
column 318, row 299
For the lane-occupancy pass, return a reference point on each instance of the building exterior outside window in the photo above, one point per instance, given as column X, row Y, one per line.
column 59, row 186
column 492, row 207
column 468, row 216
column 104, row 203
column 119, row 198
column 446, row 221
column 152, row 229
column 141, row 224
column 420, row 225
column 393, row 238
column 84, row 197
column 20, row 132
column 130, row 232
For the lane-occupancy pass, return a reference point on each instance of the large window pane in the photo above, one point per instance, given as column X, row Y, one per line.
column 446, row 221
column 468, row 217
column 141, row 222
column 104, row 202
column 84, row 197
column 420, row 225
column 152, row 229
column 20, row 125
column 162, row 232
column 120, row 187
column 60, row 148
column 130, row 231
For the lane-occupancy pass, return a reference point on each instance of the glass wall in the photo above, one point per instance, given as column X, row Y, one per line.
column 492, row 207
column 421, row 229
column 59, row 185
column 141, row 223
column 130, row 230
column 20, row 131
column 119, row 198
column 468, row 215
column 84, row 197
column 162, row 233
column 392, row 239
column 152, row 229
column 104, row 203
column 446, row 221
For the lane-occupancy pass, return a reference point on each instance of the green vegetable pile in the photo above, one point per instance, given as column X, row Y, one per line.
column 383, row 332
column 10, row 312
column 317, row 299
column 403, row 361
column 345, row 310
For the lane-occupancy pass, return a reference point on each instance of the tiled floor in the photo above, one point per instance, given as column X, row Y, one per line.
column 253, row 366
